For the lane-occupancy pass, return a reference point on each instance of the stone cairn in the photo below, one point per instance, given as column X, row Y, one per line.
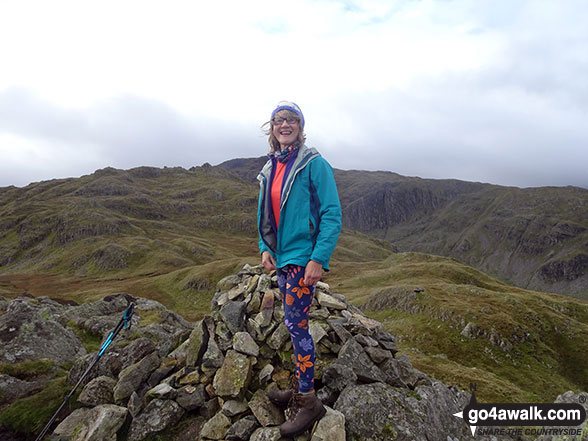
column 214, row 385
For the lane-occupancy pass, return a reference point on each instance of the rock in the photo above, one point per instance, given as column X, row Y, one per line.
column 328, row 301
column 265, row 283
column 197, row 344
column 331, row 427
column 98, row 391
column 233, row 408
column 29, row 331
column 101, row 423
column 216, row 428
column 135, row 405
column 279, row 337
column 242, row 429
column 471, row 331
column 191, row 397
column 65, row 430
column 409, row 375
column 266, row 434
column 233, row 378
column 213, row 357
column 338, row 376
column 353, row 356
column 131, row 378
column 569, row 397
column 366, row 341
column 317, row 332
column 157, row 416
column 340, row 330
column 378, row 355
column 210, row 408
column 266, row 373
column 162, row 391
column 243, row 342
column 233, row 314
column 228, row 282
column 11, row 389
column 381, row 412
column 267, row 413
column 162, row 372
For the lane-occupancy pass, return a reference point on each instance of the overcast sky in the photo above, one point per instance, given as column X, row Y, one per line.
column 492, row 91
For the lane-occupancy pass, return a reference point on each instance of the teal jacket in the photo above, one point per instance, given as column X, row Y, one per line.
column 310, row 212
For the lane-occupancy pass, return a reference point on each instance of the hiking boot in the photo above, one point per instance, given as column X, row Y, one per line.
column 281, row 398
column 306, row 410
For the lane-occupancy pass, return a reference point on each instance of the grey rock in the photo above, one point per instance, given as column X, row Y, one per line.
column 98, row 391
column 266, row 434
column 210, row 408
column 157, row 416
column 65, row 430
column 279, row 337
column 378, row 355
column 266, row 373
column 29, row 331
column 162, row 391
column 242, row 429
column 243, row 342
column 331, row 427
column 213, row 357
column 233, row 378
column 233, row 314
column 216, row 428
column 197, row 344
column 411, row 376
column 317, row 332
column 267, row 413
column 366, row 341
column 233, row 408
column 101, row 423
column 265, row 283
column 340, row 330
column 135, row 405
column 353, row 356
column 191, row 397
column 338, row 376
column 11, row 389
column 381, row 412
column 328, row 301
column 228, row 282
column 131, row 377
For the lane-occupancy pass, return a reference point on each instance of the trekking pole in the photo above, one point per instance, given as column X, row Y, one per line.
column 125, row 322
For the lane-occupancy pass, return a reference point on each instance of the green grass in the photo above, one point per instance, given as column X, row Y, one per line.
column 27, row 370
column 31, row 414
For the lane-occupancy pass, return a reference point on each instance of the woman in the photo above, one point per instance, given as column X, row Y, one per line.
column 299, row 221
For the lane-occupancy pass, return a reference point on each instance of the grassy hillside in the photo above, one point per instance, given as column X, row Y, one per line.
column 535, row 238
column 519, row 345
column 171, row 234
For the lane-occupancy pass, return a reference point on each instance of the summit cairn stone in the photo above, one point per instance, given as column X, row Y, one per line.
column 212, row 384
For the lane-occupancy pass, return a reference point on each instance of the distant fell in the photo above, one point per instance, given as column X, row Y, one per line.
column 535, row 238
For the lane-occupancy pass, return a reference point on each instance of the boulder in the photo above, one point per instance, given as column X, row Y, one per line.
column 233, row 378
column 157, row 416
column 267, row 413
column 132, row 377
column 98, row 391
column 216, row 428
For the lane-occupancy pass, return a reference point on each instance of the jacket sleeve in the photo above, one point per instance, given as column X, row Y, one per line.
column 329, row 211
column 262, row 246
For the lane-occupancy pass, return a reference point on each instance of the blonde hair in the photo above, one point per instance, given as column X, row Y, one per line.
column 268, row 129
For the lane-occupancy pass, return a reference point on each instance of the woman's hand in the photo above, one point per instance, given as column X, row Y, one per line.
column 312, row 273
column 268, row 261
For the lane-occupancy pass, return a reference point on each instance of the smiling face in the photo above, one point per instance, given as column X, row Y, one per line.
column 287, row 131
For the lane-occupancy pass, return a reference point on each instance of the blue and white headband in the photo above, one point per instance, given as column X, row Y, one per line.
column 291, row 106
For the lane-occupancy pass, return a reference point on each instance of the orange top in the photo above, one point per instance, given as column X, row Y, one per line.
column 277, row 190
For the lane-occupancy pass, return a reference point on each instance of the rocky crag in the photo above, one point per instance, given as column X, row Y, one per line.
column 169, row 379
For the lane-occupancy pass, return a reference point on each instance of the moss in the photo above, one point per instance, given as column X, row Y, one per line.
column 91, row 341
column 27, row 370
column 31, row 414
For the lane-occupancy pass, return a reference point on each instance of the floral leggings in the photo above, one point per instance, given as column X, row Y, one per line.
column 297, row 297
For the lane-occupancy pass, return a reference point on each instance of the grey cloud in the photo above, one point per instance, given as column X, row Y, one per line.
column 122, row 133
